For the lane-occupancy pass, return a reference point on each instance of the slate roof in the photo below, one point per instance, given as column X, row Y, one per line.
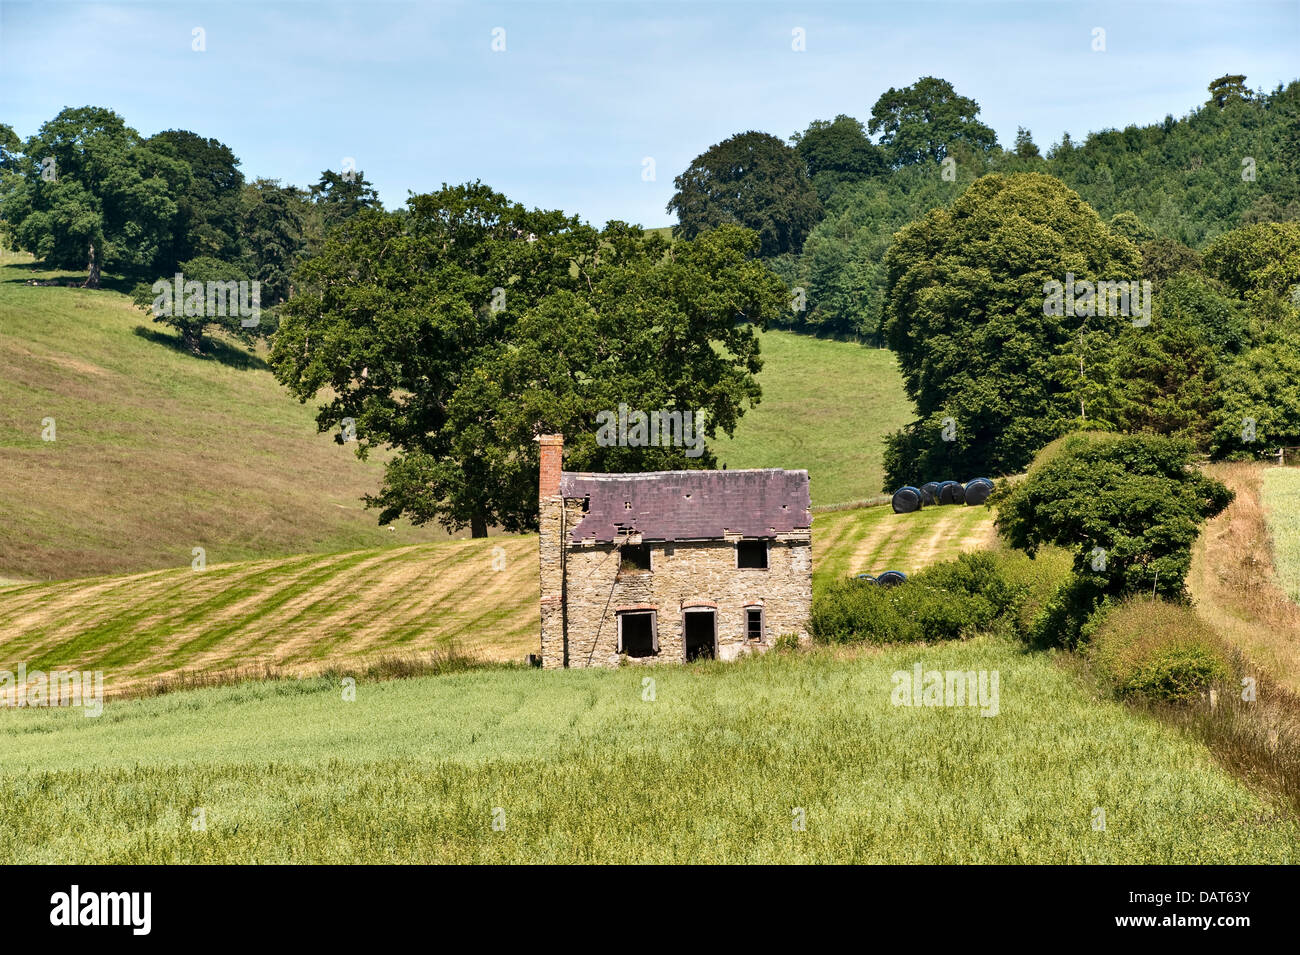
column 689, row 505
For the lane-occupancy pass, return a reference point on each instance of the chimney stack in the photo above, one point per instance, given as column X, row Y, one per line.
column 551, row 465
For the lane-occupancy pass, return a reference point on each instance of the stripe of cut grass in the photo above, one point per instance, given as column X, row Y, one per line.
column 297, row 585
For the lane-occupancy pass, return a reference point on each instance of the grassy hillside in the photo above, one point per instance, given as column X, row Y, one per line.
column 583, row 768
column 156, row 452
column 307, row 612
column 826, row 407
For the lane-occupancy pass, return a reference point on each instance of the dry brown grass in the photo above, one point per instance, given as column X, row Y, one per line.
column 1257, row 740
column 1234, row 585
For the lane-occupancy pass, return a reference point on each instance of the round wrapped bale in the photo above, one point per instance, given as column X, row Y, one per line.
column 978, row 490
column 929, row 493
column 891, row 578
column 950, row 492
column 906, row 500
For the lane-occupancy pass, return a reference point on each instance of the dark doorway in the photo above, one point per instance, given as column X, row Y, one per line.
column 701, row 634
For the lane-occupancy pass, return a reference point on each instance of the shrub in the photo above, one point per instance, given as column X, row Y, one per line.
column 1155, row 650
column 949, row 601
column 1130, row 507
column 1061, row 620
column 786, row 643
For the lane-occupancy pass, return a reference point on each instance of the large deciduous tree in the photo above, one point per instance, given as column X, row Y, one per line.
column 926, row 121
column 207, row 221
column 994, row 374
column 754, row 180
column 458, row 330
column 89, row 179
column 836, row 152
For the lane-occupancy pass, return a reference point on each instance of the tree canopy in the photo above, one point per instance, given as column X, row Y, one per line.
column 753, row 180
column 457, row 331
column 836, row 152
column 926, row 120
column 993, row 376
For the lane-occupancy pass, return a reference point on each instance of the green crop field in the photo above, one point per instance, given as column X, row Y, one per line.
column 1282, row 510
column 717, row 764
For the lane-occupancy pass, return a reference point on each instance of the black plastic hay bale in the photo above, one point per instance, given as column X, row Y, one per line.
column 950, row 492
column 906, row 500
column 929, row 493
column 978, row 490
column 891, row 578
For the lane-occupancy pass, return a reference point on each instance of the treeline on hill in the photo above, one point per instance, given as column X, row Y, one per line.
column 937, row 242
column 829, row 204
column 89, row 192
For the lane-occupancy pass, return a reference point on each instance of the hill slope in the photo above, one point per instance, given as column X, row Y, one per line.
column 156, row 452
column 827, row 406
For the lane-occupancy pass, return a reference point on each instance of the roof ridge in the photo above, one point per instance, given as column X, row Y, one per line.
column 641, row 474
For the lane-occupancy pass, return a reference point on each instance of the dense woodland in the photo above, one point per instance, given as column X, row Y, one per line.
column 935, row 241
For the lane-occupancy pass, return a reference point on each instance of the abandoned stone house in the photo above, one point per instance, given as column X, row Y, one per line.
column 670, row 565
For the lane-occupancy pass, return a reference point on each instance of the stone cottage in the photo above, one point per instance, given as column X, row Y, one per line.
column 670, row 565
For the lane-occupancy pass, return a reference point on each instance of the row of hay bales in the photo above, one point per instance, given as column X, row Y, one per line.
column 908, row 499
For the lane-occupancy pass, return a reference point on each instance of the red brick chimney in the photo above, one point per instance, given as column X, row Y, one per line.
column 552, row 455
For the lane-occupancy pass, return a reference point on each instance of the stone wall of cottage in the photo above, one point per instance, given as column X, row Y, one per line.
column 592, row 589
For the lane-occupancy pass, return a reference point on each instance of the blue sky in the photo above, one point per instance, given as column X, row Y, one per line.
column 584, row 92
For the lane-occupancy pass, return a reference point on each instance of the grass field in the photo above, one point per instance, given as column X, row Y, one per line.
column 826, row 407
column 871, row 540
column 1282, row 511
column 306, row 612
column 312, row 611
column 583, row 768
